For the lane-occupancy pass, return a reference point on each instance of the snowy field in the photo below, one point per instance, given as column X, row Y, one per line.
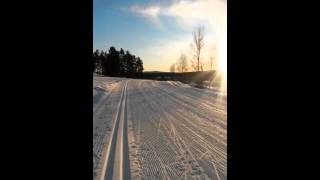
column 158, row 130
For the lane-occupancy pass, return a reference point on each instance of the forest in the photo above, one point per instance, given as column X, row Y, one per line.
column 116, row 63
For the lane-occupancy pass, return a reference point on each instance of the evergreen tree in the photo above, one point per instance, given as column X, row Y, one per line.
column 122, row 62
column 130, row 69
column 117, row 63
column 139, row 65
column 113, row 62
column 104, row 63
column 95, row 60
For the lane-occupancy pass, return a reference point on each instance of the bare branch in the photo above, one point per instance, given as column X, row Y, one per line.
column 198, row 44
column 182, row 63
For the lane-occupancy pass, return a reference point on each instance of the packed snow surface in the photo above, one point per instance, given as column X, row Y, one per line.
column 175, row 131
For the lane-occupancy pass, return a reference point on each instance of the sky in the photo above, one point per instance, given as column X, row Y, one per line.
column 159, row 31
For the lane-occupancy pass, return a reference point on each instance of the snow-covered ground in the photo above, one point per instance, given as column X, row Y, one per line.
column 175, row 131
column 102, row 86
column 105, row 95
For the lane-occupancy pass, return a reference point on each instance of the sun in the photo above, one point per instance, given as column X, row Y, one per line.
column 222, row 52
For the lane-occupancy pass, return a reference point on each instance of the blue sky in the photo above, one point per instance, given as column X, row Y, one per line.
column 157, row 31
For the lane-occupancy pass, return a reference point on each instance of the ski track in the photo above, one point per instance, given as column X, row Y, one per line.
column 174, row 131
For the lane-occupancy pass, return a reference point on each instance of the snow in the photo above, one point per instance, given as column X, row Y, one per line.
column 105, row 93
column 175, row 131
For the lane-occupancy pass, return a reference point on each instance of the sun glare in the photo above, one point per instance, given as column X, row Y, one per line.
column 223, row 55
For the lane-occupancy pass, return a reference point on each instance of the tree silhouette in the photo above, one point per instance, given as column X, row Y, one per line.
column 122, row 63
column 197, row 47
column 139, row 65
column 117, row 63
column 113, row 62
column 95, row 60
column 130, row 64
column 104, row 63
column 182, row 64
column 212, row 58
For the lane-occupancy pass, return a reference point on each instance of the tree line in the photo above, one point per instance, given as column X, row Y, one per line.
column 117, row 63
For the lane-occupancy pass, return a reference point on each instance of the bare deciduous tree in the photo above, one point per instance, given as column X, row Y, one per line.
column 213, row 58
column 182, row 64
column 197, row 46
column 173, row 68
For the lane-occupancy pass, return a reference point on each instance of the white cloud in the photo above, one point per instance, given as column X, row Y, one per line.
column 212, row 14
column 188, row 14
column 151, row 13
column 148, row 11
